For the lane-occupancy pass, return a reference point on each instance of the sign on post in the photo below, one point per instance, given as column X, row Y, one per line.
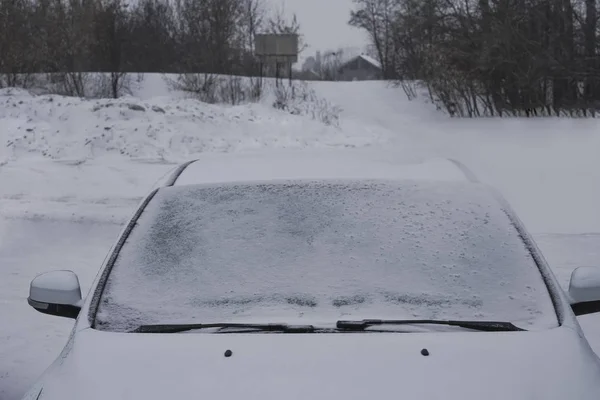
column 277, row 49
column 281, row 48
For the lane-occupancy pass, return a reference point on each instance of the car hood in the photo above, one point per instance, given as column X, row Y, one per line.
column 554, row 364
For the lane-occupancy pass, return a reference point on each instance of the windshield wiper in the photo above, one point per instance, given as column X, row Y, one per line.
column 487, row 326
column 175, row 328
column 361, row 325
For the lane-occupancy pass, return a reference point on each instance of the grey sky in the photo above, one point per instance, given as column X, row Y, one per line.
column 324, row 23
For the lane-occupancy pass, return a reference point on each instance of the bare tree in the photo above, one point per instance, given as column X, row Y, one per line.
column 253, row 23
column 71, row 55
column 376, row 17
column 112, row 31
column 592, row 67
column 279, row 24
column 151, row 46
column 482, row 57
column 331, row 64
column 18, row 56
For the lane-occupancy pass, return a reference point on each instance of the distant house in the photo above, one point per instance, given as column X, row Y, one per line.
column 360, row 68
column 309, row 64
column 307, row 75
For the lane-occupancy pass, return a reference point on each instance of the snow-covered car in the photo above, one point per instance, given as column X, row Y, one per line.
column 322, row 280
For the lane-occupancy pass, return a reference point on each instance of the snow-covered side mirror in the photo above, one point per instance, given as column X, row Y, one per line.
column 56, row 293
column 584, row 290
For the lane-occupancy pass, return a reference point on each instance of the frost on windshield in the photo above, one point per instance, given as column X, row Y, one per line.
column 315, row 252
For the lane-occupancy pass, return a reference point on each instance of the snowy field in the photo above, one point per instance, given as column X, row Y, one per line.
column 72, row 171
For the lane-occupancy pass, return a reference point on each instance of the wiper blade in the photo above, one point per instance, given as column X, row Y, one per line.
column 175, row 328
column 486, row 326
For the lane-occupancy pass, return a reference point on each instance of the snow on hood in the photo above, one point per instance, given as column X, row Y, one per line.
column 515, row 365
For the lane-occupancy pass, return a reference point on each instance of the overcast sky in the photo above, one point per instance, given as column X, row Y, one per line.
column 324, row 23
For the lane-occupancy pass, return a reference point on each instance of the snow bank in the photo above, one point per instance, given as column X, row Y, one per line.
column 160, row 128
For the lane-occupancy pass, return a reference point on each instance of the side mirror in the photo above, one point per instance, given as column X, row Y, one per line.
column 56, row 293
column 584, row 290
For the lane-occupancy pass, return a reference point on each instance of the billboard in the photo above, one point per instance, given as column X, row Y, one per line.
column 277, row 47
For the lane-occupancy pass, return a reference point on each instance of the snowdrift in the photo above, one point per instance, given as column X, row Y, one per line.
column 159, row 128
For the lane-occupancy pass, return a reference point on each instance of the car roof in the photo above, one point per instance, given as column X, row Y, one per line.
column 314, row 165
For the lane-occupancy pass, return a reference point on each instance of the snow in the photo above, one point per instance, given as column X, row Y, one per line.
column 317, row 252
column 57, row 281
column 316, row 165
column 104, row 190
column 30, row 341
column 584, row 284
column 547, row 168
column 58, row 128
column 56, row 287
column 498, row 366
column 64, row 210
column 370, row 60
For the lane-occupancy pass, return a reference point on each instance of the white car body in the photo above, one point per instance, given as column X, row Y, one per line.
column 547, row 364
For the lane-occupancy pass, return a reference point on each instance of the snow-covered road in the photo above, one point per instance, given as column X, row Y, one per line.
column 29, row 341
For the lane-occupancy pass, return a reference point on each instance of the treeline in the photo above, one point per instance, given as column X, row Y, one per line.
column 490, row 57
column 67, row 38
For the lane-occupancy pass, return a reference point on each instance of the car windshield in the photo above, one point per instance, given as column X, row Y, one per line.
column 315, row 252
